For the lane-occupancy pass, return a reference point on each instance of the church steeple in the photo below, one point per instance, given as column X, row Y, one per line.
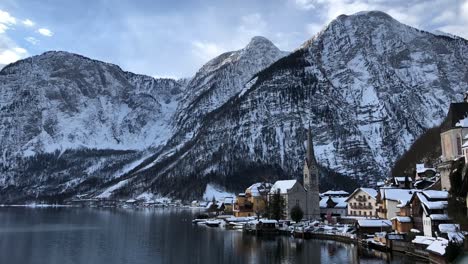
column 311, row 179
column 310, row 147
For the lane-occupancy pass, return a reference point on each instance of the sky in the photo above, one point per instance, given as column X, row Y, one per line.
column 175, row 38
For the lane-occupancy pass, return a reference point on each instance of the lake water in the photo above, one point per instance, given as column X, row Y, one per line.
column 114, row 236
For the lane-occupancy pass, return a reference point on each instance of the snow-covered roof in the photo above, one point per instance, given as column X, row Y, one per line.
column 462, row 122
column 402, row 219
column 374, row 223
column 439, row 217
column 283, row 186
column 438, row 246
column 399, row 195
column 444, row 228
column 403, row 179
column 335, row 193
column 268, row 221
column 420, row 168
column 424, row 240
column 257, row 188
column 339, row 201
column 371, row 192
column 431, row 205
column 229, row 200
column 432, row 194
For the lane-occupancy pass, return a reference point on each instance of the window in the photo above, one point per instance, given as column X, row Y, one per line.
column 370, row 204
column 459, row 152
column 365, row 213
column 359, row 212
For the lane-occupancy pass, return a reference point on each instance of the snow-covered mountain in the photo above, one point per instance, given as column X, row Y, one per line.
column 367, row 84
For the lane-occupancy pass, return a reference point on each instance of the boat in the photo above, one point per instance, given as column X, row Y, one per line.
column 198, row 220
column 213, row 223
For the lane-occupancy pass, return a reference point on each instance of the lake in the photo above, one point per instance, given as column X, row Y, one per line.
column 114, row 236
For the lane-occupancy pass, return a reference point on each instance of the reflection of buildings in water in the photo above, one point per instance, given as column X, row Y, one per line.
column 331, row 249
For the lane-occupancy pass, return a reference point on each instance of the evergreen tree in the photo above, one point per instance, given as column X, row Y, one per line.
column 297, row 213
column 276, row 206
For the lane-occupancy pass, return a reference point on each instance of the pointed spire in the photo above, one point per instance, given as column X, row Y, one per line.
column 310, row 146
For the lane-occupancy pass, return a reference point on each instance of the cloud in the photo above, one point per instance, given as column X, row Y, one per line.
column 206, row 50
column 252, row 25
column 45, row 32
column 28, row 23
column 32, row 40
column 6, row 18
column 313, row 28
column 10, row 51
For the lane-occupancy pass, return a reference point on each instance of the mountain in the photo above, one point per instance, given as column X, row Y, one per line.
column 71, row 124
column 368, row 85
column 59, row 102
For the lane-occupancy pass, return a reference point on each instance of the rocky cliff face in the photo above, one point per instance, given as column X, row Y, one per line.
column 367, row 84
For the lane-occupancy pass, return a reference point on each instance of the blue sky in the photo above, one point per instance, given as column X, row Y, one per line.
column 175, row 38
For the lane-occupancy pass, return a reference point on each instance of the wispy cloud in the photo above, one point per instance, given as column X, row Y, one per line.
column 28, row 23
column 32, row 40
column 45, row 32
column 206, row 50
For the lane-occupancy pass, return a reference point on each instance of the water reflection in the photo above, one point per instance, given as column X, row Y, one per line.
column 80, row 235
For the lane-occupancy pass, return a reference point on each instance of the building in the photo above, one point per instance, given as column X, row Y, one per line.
column 363, row 202
column 253, row 201
column 403, row 222
column 311, row 181
column 293, row 193
column 243, row 207
column 335, row 193
column 372, row 226
column 454, row 133
column 332, row 208
column 389, row 201
column 422, row 172
column 429, row 209
column 404, row 182
column 228, row 205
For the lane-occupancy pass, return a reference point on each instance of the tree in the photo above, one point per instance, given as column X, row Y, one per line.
column 452, row 251
column 297, row 213
column 276, row 206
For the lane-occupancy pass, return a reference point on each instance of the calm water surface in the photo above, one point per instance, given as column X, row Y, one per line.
column 114, row 236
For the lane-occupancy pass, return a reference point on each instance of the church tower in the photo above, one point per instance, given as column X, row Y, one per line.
column 311, row 180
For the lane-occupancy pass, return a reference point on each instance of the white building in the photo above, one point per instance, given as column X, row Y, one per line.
column 363, row 202
column 293, row 194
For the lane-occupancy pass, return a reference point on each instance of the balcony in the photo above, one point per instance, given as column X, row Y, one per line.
column 361, row 199
column 365, row 207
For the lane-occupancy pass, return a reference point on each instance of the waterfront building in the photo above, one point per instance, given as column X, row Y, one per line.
column 293, row 193
column 311, row 181
column 253, row 201
column 389, row 201
column 422, row 172
column 332, row 208
column 372, row 226
column 362, row 202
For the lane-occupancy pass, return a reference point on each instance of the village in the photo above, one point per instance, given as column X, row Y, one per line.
column 409, row 214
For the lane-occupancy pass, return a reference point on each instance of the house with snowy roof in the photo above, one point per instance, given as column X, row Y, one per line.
column 422, row 172
column 253, row 201
column 429, row 209
column 333, row 193
column 332, row 207
column 389, row 201
column 292, row 192
column 362, row 202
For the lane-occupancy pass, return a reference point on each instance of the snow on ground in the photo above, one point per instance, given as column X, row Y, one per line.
column 217, row 192
column 108, row 192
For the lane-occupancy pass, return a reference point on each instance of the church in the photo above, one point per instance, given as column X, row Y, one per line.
column 311, row 181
